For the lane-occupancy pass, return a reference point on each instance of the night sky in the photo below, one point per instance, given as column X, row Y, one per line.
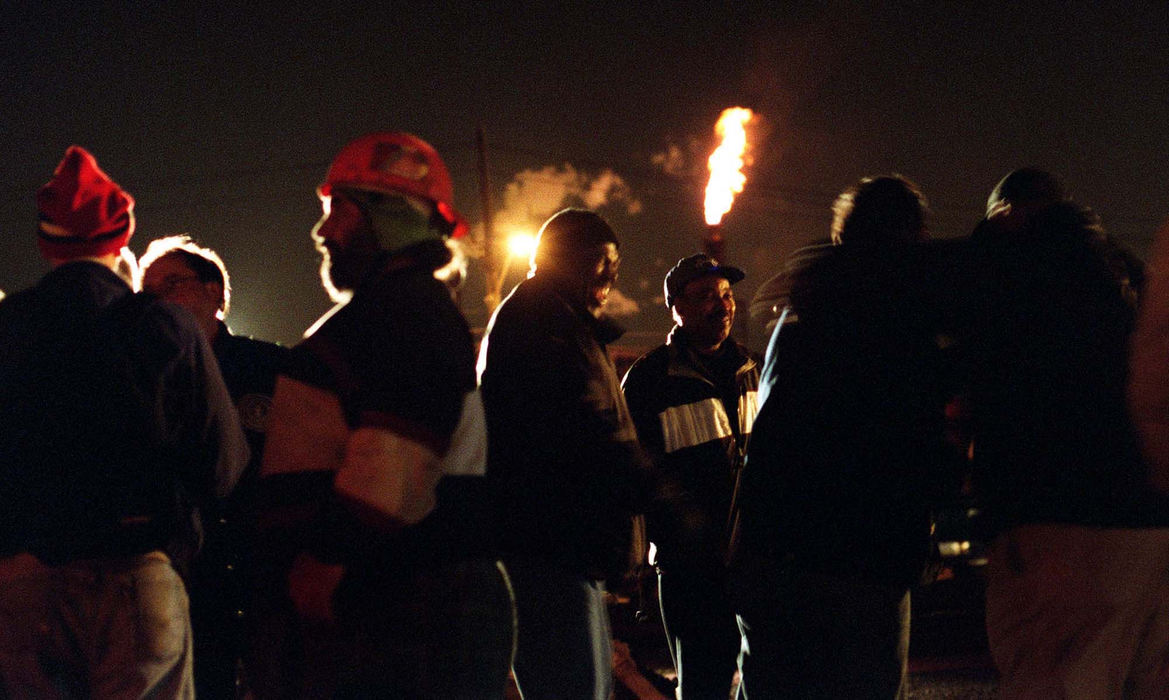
column 221, row 120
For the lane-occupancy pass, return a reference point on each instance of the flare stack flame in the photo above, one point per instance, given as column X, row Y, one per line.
column 726, row 163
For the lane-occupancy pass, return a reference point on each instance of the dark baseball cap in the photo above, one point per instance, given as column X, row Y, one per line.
column 691, row 268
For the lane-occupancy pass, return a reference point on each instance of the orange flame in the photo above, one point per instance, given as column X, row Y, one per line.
column 726, row 163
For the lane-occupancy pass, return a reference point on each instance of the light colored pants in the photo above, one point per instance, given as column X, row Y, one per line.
column 564, row 649
column 98, row 628
column 1079, row 612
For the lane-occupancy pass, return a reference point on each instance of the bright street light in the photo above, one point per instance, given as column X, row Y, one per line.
column 521, row 245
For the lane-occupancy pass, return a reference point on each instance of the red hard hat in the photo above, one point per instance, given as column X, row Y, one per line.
column 396, row 163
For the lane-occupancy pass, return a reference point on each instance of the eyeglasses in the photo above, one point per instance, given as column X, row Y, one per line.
column 168, row 284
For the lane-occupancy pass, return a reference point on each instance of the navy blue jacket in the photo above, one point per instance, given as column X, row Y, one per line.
column 115, row 424
column 848, row 454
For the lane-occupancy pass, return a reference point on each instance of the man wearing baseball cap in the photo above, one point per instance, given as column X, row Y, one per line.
column 113, row 419
column 693, row 401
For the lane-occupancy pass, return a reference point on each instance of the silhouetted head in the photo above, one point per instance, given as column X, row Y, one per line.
column 1017, row 198
column 1026, row 187
column 183, row 272
column 577, row 249
column 885, row 209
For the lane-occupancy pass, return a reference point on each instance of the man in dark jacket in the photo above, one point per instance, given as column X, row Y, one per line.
column 846, row 454
column 181, row 271
column 114, row 425
column 374, row 465
column 565, row 465
column 1077, row 578
column 693, row 401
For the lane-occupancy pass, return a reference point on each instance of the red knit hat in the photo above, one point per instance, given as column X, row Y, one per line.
column 83, row 213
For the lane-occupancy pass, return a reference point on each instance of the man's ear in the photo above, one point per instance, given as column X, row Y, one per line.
column 215, row 289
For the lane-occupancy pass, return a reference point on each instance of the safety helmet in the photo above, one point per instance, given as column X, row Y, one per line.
column 396, row 163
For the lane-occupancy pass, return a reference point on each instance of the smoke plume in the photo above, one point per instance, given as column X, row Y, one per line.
column 534, row 195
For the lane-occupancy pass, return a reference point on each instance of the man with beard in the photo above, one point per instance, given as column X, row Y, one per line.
column 376, row 453
column 693, row 401
column 565, row 465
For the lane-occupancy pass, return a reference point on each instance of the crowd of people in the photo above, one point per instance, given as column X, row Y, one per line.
column 385, row 510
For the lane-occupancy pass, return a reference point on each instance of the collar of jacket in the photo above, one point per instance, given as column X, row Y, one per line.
column 85, row 282
column 684, row 362
column 221, row 337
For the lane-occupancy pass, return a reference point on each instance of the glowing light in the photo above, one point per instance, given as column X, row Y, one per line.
column 521, row 245
column 953, row 549
column 726, row 163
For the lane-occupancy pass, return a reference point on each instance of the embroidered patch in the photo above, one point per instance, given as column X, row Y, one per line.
column 253, row 412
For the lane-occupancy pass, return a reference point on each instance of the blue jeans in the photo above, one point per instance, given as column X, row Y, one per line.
column 700, row 628
column 564, row 649
column 100, row 628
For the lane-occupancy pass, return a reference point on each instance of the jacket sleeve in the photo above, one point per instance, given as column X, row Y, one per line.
column 219, row 434
column 640, row 394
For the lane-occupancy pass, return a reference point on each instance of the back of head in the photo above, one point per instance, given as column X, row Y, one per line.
column 1026, row 187
column 886, row 209
column 82, row 212
column 569, row 237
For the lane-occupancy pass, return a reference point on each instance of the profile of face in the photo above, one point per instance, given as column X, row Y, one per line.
column 172, row 279
column 601, row 276
column 706, row 310
column 347, row 244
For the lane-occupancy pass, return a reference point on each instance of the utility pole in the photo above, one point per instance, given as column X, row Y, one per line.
column 491, row 262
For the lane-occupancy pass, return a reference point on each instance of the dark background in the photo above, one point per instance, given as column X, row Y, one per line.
column 220, row 118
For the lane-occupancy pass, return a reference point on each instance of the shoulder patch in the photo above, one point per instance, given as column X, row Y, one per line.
column 253, row 412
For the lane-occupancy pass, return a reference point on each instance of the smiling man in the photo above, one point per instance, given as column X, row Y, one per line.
column 693, row 401
column 563, row 458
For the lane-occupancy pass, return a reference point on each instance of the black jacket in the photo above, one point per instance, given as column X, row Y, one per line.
column 1047, row 361
column 399, row 355
column 847, row 453
column 114, row 419
column 563, row 458
column 694, row 417
column 249, row 369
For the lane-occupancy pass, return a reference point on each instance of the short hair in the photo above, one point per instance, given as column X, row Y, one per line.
column 1027, row 186
column 204, row 262
column 567, row 234
column 888, row 208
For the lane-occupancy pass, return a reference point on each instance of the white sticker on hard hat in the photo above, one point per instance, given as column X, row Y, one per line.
column 400, row 161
